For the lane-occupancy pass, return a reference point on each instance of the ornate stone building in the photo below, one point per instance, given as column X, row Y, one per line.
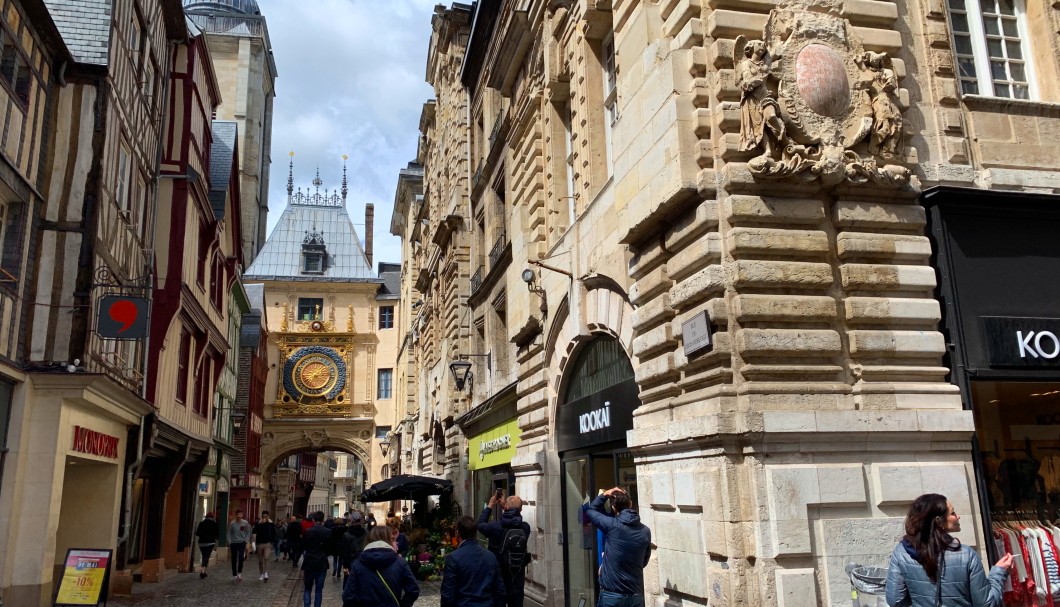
column 332, row 339
column 722, row 219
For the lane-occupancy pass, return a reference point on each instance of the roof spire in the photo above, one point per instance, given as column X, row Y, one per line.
column 316, row 181
column 290, row 177
column 344, row 188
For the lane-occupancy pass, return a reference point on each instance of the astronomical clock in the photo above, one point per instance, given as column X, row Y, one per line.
column 316, row 368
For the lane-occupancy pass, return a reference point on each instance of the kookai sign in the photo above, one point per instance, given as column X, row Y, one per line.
column 598, row 418
column 1022, row 342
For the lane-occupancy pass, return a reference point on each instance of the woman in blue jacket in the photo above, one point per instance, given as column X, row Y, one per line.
column 379, row 577
column 931, row 568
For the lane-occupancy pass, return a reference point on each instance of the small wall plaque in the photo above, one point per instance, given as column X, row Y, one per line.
column 695, row 333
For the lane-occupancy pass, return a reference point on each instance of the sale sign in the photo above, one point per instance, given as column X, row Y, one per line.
column 84, row 578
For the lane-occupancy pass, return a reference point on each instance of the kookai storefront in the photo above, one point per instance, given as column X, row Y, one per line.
column 998, row 258
column 595, row 411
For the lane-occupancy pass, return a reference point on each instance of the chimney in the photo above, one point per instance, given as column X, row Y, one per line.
column 369, row 231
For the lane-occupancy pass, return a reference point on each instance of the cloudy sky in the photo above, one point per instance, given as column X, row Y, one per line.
column 351, row 81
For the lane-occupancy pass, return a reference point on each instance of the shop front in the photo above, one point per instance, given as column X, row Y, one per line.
column 999, row 264
column 65, row 471
column 493, row 433
column 593, row 416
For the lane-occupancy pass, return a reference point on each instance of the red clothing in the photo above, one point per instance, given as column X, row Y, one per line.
column 307, row 524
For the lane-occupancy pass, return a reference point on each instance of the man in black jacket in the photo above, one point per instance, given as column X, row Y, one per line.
column 352, row 543
column 497, row 532
column 294, row 539
column 472, row 577
column 315, row 559
column 207, row 533
column 627, row 548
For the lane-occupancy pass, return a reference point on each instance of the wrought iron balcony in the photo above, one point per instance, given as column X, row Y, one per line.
column 476, row 279
column 498, row 249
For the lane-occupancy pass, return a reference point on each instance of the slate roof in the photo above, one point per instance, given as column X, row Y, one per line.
column 281, row 256
column 85, row 28
column 255, row 295
column 390, row 273
column 221, row 160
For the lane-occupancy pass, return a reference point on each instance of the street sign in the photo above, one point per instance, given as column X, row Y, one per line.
column 122, row 317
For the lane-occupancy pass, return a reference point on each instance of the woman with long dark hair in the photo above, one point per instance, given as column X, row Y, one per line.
column 931, row 568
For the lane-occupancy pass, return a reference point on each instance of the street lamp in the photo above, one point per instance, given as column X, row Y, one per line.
column 237, row 421
column 384, row 444
column 461, row 368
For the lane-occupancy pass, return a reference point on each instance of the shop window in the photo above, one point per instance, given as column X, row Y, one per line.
column 310, row 308
column 1018, row 428
column 386, row 317
column 384, row 386
column 121, row 189
column 989, row 43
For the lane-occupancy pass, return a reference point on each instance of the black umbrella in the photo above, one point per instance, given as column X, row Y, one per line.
column 406, row 487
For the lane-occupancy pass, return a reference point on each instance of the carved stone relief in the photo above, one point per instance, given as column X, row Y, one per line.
column 815, row 104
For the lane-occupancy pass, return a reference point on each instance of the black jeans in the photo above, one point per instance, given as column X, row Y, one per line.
column 237, row 552
column 206, row 550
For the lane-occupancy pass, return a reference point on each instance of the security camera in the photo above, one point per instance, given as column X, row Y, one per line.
column 528, row 276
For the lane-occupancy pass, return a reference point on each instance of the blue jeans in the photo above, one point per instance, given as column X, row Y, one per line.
column 612, row 599
column 314, row 578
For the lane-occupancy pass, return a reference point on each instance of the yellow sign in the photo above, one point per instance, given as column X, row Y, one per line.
column 493, row 447
column 84, row 577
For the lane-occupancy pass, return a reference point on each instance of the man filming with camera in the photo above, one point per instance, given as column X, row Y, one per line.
column 627, row 548
column 508, row 536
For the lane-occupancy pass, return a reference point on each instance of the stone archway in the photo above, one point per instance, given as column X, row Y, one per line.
column 281, row 438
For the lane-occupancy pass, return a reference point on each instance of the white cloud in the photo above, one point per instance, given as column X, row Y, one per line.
column 351, row 81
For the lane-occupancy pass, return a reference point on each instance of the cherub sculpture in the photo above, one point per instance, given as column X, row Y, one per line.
column 760, row 121
column 880, row 82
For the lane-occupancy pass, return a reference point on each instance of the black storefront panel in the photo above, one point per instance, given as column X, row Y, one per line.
column 602, row 417
column 1004, row 264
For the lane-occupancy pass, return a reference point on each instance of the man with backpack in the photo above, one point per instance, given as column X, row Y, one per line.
column 508, row 537
column 352, row 543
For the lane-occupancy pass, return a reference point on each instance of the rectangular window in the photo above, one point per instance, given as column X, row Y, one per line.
column 386, row 317
column 568, row 142
column 382, row 431
column 610, row 99
column 183, row 360
column 310, row 308
column 312, row 263
column 988, row 41
column 384, row 385
column 121, row 190
column 13, row 67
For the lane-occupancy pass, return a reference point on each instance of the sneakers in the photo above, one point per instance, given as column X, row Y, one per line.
column 261, row 578
column 239, row 577
column 202, row 575
column 266, row 574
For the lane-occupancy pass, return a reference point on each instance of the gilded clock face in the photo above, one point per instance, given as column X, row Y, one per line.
column 315, row 371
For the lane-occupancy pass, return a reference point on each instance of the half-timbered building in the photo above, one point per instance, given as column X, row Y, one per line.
column 84, row 131
column 197, row 257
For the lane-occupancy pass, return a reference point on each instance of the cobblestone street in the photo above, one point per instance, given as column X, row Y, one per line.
column 284, row 589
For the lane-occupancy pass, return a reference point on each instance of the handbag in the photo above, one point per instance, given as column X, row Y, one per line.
column 392, row 595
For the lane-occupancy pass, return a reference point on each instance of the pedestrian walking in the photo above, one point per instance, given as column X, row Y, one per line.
column 472, row 577
column 206, row 534
column 280, row 546
column 378, row 576
column 239, row 533
column 930, row 567
column 628, row 548
column 264, row 538
column 508, row 537
column 294, row 539
column 352, row 543
column 371, row 521
column 401, row 542
column 338, row 531
column 315, row 559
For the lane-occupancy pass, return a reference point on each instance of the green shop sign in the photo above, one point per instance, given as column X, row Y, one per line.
column 493, row 447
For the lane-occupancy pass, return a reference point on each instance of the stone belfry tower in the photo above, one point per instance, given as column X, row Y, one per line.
column 238, row 38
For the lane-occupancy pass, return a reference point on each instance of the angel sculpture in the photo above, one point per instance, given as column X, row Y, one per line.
column 879, row 80
column 760, row 120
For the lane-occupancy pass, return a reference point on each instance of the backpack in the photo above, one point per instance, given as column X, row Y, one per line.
column 352, row 546
column 513, row 552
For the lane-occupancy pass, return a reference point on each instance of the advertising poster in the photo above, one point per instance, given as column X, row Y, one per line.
column 84, row 577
